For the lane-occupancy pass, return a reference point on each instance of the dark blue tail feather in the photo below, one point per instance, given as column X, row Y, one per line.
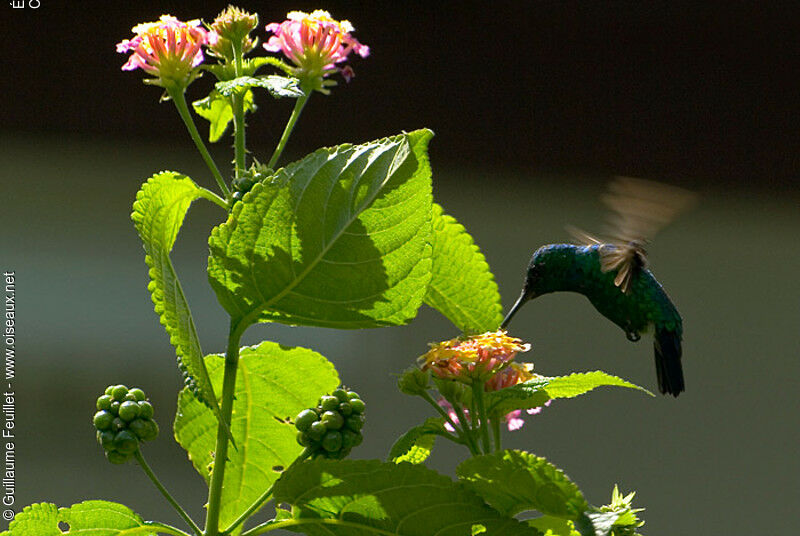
column 667, row 347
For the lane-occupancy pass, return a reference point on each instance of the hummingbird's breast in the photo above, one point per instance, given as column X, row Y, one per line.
column 644, row 304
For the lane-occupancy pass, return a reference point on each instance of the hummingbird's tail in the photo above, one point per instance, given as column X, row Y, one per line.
column 667, row 346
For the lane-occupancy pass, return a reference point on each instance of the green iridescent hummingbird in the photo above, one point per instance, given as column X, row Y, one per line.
column 612, row 273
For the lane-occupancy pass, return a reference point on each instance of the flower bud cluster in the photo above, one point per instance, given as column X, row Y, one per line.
column 124, row 418
column 232, row 29
column 333, row 427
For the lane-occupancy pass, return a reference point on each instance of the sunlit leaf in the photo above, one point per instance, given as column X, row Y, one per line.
column 158, row 214
column 273, row 384
column 338, row 239
column 462, row 287
column 367, row 497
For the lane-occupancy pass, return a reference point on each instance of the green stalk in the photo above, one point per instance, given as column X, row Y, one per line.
column 462, row 418
column 179, row 99
column 240, row 151
column 298, row 109
column 181, row 512
column 459, row 432
column 214, row 198
column 477, row 396
column 253, row 508
column 498, row 445
column 275, row 525
column 221, row 450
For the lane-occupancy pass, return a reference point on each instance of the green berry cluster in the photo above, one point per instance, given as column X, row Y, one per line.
column 333, row 428
column 124, row 418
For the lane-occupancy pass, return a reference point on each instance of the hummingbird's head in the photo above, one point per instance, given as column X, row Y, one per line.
column 536, row 278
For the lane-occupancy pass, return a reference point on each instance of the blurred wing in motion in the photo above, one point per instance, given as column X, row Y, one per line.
column 640, row 208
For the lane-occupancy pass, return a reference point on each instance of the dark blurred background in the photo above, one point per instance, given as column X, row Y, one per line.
column 535, row 106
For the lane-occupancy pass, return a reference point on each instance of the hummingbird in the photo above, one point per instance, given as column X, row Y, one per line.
column 612, row 272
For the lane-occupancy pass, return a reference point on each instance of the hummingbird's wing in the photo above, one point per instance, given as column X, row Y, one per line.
column 639, row 209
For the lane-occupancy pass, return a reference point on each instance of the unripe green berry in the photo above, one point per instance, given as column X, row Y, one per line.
column 355, row 422
column 345, row 409
column 352, row 395
column 304, row 419
column 304, row 440
column 137, row 393
column 337, row 455
column 106, row 439
column 116, row 457
column 341, row 394
column 152, row 430
column 140, row 427
column 328, row 403
column 350, row 439
column 128, row 410
column 125, row 442
column 317, row 430
column 333, row 420
column 119, row 392
column 118, row 424
column 109, row 389
column 332, row 441
column 114, row 407
column 145, row 409
column 358, row 405
column 104, row 402
column 103, row 420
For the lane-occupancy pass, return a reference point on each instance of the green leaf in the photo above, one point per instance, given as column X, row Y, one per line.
column 553, row 526
column 278, row 86
column 89, row 518
column 416, row 445
column 218, row 111
column 273, row 384
column 538, row 391
column 158, row 214
column 513, row 481
column 339, row 239
column 368, row 497
column 462, row 288
column 251, row 65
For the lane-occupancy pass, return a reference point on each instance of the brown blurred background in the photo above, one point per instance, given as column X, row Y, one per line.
column 535, row 106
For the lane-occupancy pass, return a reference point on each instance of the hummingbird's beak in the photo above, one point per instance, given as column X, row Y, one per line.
column 523, row 298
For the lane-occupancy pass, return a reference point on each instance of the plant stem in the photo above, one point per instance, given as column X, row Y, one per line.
column 163, row 527
column 181, row 512
column 429, row 399
column 221, row 451
column 214, row 198
column 497, row 437
column 240, row 151
column 477, row 396
column 253, row 508
column 275, row 525
column 298, row 108
column 462, row 418
column 179, row 99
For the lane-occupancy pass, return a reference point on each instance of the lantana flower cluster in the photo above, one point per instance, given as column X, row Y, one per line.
column 168, row 49
column 475, row 359
column 488, row 359
column 315, row 43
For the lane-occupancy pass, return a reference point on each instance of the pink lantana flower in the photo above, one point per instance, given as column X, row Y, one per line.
column 448, row 407
column 477, row 358
column 316, row 44
column 512, row 375
column 168, row 49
